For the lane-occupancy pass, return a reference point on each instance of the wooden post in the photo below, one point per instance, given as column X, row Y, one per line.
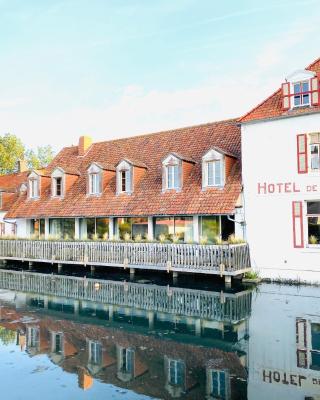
column 151, row 319
column 132, row 272
column 59, row 267
column 30, row 264
column 227, row 280
column 175, row 277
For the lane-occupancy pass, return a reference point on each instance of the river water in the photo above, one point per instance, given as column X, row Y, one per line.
column 102, row 337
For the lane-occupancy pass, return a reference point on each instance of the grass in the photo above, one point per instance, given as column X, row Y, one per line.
column 251, row 275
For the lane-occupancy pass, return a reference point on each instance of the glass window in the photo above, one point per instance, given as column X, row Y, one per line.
column 57, row 343
column 176, row 372
column 315, row 340
column 173, row 176
column 181, row 227
column 37, row 228
column 34, row 188
column 315, row 156
column 94, row 183
column 313, row 217
column 58, row 186
column 125, row 180
column 140, row 227
column 210, row 228
column 133, row 226
column 219, row 384
column 301, row 95
column 127, row 360
column 62, row 228
column 95, row 353
column 214, row 173
column 97, row 227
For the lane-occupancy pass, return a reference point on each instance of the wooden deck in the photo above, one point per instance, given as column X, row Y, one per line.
column 223, row 260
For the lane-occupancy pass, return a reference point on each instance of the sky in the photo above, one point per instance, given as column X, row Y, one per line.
column 117, row 68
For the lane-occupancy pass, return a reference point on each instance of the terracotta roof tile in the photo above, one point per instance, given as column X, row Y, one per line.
column 147, row 199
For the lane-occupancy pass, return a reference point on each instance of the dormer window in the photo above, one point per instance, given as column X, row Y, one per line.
column 95, row 179
column 57, row 184
column 301, row 93
column 172, row 167
column 34, row 188
column 173, row 176
column 301, row 89
column 213, row 167
column 34, row 185
column 124, row 177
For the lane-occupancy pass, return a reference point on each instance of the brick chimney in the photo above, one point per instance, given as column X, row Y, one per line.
column 84, row 144
column 22, row 166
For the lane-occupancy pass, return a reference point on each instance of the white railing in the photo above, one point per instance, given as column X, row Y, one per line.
column 223, row 259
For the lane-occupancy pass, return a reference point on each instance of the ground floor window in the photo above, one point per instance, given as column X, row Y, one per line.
column 171, row 228
column 315, row 341
column 132, row 227
column 216, row 227
column 37, row 227
column 313, row 217
column 62, row 228
column 97, row 228
column 2, row 228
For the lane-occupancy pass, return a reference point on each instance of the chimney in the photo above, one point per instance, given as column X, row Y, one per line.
column 84, row 144
column 22, row 166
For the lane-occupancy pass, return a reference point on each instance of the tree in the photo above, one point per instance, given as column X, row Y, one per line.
column 39, row 158
column 12, row 150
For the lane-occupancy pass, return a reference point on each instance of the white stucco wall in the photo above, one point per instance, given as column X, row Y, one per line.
column 8, row 226
column 269, row 154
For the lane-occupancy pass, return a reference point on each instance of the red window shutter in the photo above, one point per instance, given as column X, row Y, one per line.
column 297, row 224
column 302, row 153
column 285, row 88
column 314, row 85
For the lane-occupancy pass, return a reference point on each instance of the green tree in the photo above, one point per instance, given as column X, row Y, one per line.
column 11, row 150
column 39, row 158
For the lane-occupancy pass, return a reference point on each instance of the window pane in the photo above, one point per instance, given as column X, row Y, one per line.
column 315, row 336
column 297, row 100
column 124, row 226
column 313, row 207
column 210, row 169
column 140, row 227
column 315, row 157
column 210, row 227
column 305, row 99
column 63, row 228
column 314, row 230
column 217, row 175
column 170, row 173
column 176, row 176
column 305, row 86
column 164, row 226
column 102, row 227
column 90, row 228
column 296, row 88
column 184, row 228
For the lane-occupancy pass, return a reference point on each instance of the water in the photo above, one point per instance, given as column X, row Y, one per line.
column 70, row 337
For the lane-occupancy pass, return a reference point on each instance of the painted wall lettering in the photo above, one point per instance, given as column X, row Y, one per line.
column 284, row 187
column 289, row 379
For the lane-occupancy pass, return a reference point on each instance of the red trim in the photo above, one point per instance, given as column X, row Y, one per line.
column 286, row 96
column 313, row 91
column 297, row 222
column 302, row 169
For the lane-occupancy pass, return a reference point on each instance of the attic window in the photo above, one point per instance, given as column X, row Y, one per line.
column 173, row 176
column 172, row 171
column 33, row 188
column 301, row 93
column 213, row 169
column 124, row 177
column 94, row 183
column 58, row 186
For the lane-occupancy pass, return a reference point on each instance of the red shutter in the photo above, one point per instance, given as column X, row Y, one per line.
column 302, row 153
column 285, row 96
column 314, row 85
column 297, row 224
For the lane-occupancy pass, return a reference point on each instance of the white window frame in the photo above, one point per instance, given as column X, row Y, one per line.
column 226, row 381
column 306, row 221
column 175, row 364
column 310, row 157
column 95, row 352
column 34, row 186
column 172, row 180
column 213, row 156
column 124, row 167
column 94, row 180
column 301, row 94
column 58, row 173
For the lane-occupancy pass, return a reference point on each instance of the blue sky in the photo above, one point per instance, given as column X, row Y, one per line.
column 115, row 68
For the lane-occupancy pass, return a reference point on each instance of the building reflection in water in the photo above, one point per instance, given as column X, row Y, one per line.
column 163, row 342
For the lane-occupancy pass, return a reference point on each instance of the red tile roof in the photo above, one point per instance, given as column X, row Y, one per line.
column 147, row 198
column 9, row 186
column 272, row 106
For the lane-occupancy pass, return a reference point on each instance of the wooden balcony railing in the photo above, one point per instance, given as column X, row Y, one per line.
column 208, row 259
